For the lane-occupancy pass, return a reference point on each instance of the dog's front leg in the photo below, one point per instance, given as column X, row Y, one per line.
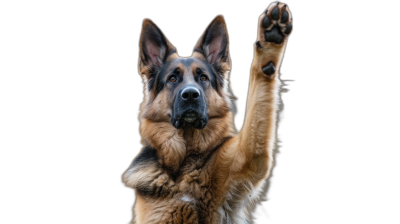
column 256, row 140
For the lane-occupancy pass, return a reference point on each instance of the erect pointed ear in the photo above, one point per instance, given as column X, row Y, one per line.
column 214, row 44
column 154, row 48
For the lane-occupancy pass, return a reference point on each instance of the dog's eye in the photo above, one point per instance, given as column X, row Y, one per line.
column 203, row 78
column 172, row 78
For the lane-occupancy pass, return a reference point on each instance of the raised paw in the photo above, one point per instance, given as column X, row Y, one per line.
column 274, row 28
column 275, row 24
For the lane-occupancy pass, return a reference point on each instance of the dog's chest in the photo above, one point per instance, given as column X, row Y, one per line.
column 190, row 182
column 194, row 181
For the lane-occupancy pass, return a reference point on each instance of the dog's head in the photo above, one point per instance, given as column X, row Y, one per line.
column 187, row 92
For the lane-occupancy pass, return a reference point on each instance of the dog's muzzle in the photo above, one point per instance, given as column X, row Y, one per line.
column 189, row 108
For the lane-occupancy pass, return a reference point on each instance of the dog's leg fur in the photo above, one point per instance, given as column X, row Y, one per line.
column 248, row 157
column 257, row 137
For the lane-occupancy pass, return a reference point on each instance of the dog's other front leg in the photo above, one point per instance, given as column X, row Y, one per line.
column 256, row 140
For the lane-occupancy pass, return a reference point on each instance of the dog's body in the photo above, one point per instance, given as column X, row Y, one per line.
column 194, row 167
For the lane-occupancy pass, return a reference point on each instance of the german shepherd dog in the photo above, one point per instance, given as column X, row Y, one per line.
column 194, row 166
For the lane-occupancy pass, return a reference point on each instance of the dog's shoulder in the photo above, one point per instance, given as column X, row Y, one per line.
column 147, row 176
column 147, row 155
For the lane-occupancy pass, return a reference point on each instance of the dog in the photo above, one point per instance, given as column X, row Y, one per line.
column 194, row 166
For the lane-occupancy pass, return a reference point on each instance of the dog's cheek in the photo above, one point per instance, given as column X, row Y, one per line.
column 216, row 105
column 160, row 108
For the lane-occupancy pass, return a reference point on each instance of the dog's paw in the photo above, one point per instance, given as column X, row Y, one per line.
column 274, row 28
column 276, row 23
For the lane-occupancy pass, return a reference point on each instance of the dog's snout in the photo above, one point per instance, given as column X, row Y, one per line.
column 190, row 94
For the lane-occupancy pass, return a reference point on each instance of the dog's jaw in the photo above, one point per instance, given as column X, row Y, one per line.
column 189, row 118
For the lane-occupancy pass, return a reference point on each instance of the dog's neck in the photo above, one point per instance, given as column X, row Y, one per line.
column 173, row 145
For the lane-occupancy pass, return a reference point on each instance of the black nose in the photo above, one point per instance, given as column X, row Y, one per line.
column 190, row 94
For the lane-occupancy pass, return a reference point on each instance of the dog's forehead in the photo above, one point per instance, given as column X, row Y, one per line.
column 187, row 65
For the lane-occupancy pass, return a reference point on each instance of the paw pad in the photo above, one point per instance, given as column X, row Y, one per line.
column 276, row 23
column 275, row 13
column 285, row 17
column 274, row 35
column 269, row 69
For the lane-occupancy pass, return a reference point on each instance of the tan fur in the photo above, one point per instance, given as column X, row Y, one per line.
column 219, row 169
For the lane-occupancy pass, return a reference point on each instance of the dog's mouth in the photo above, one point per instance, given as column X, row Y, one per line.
column 190, row 118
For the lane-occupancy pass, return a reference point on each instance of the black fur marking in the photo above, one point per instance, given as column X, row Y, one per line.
column 160, row 77
column 198, row 50
column 274, row 35
column 215, row 72
column 157, row 192
column 275, row 13
column 265, row 22
column 150, row 84
column 288, row 28
column 269, row 69
column 258, row 45
column 153, row 73
column 146, row 157
column 171, row 52
column 148, row 154
column 285, row 17
column 160, row 86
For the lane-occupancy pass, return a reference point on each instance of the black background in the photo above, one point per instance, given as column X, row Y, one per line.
column 100, row 44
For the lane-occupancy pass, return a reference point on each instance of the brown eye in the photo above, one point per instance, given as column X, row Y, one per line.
column 203, row 78
column 172, row 78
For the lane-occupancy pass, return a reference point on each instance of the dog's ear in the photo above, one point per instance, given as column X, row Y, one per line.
column 154, row 49
column 214, row 45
